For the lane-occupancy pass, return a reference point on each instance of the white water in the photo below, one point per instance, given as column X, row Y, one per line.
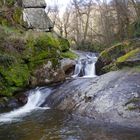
column 90, row 70
column 35, row 100
column 85, row 66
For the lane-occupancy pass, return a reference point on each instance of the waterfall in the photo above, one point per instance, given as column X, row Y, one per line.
column 85, row 65
column 35, row 99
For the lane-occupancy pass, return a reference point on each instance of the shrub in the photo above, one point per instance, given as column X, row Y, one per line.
column 17, row 75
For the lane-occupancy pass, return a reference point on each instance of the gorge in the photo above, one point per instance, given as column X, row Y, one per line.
column 48, row 91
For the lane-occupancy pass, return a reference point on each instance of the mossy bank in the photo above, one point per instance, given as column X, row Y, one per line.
column 121, row 55
column 22, row 53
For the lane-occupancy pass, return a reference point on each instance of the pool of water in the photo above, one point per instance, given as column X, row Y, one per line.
column 58, row 125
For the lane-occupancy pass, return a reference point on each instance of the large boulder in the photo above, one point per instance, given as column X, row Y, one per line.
column 33, row 3
column 68, row 66
column 37, row 18
column 108, row 59
column 113, row 97
column 130, row 59
column 14, row 102
column 46, row 74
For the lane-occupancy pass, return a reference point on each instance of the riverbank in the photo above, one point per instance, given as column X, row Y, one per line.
column 29, row 59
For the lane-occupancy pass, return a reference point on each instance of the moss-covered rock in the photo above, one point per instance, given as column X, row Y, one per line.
column 24, row 57
column 115, row 56
column 131, row 59
column 64, row 44
column 133, row 104
column 69, row 54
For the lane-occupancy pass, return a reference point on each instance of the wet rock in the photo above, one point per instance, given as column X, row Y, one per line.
column 68, row 66
column 23, row 99
column 109, row 98
column 3, row 101
column 13, row 103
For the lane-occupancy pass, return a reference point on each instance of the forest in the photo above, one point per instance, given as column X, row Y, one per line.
column 96, row 24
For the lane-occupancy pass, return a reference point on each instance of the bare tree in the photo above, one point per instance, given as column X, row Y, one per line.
column 136, row 5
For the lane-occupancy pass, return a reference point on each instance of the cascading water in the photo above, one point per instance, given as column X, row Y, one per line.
column 85, row 65
column 35, row 99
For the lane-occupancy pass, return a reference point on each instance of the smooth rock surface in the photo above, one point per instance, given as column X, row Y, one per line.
column 37, row 18
column 34, row 3
column 113, row 97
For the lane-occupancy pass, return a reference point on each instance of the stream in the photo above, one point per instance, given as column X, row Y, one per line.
column 36, row 121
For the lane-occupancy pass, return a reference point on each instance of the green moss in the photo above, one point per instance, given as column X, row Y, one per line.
column 116, row 57
column 42, row 42
column 41, row 49
column 109, row 56
column 4, row 22
column 16, row 75
column 64, row 44
column 128, row 55
column 69, row 54
column 11, row 31
column 10, row 2
column 132, row 108
column 111, row 67
column 22, row 53
column 17, row 15
column 13, row 78
column 55, row 62
column 105, row 55
column 133, row 104
column 134, row 100
column 46, row 40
